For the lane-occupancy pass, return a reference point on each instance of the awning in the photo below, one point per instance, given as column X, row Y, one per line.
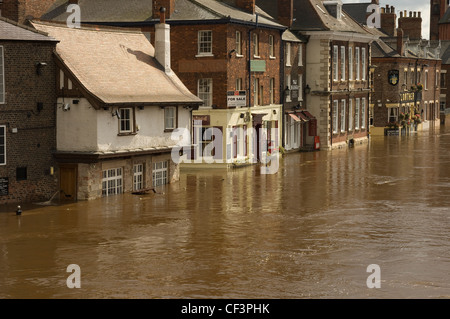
column 295, row 117
column 303, row 117
column 309, row 115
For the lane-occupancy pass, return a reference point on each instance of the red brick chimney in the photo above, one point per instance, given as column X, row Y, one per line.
column 20, row 11
column 168, row 4
column 246, row 5
column 285, row 12
column 388, row 20
column 400, row 45
column 411, row 25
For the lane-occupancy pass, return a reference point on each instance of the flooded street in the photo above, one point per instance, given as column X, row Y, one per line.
column 309, row 231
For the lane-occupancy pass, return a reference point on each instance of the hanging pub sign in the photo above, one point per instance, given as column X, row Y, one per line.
column 393, row 77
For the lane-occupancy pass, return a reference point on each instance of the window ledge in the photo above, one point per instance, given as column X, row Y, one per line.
column 127, row 134
column 273, row 57
column 256, row 56
column 168, row 130
column 204, row 55
column 239, row 56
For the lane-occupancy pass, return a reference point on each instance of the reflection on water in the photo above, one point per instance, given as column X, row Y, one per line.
column 309, row 231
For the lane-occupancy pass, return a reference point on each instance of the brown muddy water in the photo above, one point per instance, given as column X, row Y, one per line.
column 309, row 231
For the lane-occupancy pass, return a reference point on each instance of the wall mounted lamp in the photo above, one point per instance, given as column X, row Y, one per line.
column 116, row 113
column 39, row 66
column 307, row 89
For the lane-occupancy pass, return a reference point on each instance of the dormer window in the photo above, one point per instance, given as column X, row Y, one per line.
column 334, row 8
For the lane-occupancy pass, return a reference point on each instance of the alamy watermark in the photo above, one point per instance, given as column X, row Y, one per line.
column 242, row 146
column 374, row 19
column 374, row 279
column 74, row 280
column 74, row 19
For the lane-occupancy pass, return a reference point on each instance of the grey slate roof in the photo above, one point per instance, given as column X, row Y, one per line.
column 10, row 30
column 357, row 11
column 141, row 11
column 381, row 50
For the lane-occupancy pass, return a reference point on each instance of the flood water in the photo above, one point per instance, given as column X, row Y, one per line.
column 309, row 231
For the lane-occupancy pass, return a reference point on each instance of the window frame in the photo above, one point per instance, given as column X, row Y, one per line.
column 350, row 63
column 256, row 45
column 272, row 91
column 174, row 117
column 138, row 176
column 363, row 64
column 335, row 63
column 271, row 47
column 335, row 116
column 363, row 113
column 201, row 41
column 3, row 147
column 2, row 76
column 239, row 43
column 350, row 115
column 300, row 55
column 164, row 176
column 357, row 113
column 203, row 94
column 118, row 187
column 357, row 63
column 288, row 54
column 342, row 63
column 343, row 106
column 123, row 120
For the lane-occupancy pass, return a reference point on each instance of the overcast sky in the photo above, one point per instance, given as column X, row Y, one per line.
column 410, row 5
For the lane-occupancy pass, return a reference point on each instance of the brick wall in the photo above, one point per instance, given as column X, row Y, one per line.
column 35, row 140
column 19, row 10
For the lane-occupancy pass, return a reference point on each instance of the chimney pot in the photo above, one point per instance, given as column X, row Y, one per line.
column 162, row 15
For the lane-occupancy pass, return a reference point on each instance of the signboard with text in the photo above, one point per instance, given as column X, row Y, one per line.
column 236, row 98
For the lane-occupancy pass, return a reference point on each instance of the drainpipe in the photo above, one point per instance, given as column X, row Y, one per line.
column 282, row 95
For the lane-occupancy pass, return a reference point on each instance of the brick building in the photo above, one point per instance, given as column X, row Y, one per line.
column 218, row 48
column 118, row 104
column 27, row 114
column 23, row 10
column 406, row 76
column 337, row 64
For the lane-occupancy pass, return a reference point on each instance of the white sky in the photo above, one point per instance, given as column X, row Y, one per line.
column 410, row 5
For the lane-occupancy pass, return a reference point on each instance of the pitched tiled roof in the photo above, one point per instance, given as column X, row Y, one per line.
column 141, row 11
column 10, row 30
column 116, row 66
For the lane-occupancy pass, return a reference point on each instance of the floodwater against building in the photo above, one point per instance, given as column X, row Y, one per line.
column 309, row 231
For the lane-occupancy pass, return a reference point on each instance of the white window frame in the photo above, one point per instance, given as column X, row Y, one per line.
column 238, row 84
column 357, row 64
column 288, row 54
column 238, row 43
column 272, row 90
column 437, row 79
column 256, row 91
column 163, row 170
column 300, row 55
column 350, row 63
column 363, row 112
column 342, row 63
column 343, row 115
column 288, row 85
column 205, row 91
column 335, row 116
column 170, row 120
column 138, row 176
column 271, row 47
column 350, row 114
column 126, row 117
column 3, row 146
column 205, row 43
column 2, row 76
column 255, row 45
column 300, row 87
column 363, row 63
column 357, row 113
column 425, row 82
column 335, row 63
column 112, row 181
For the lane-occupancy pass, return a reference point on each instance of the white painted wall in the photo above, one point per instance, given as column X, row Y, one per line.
column 83, row 128
column 76, row 129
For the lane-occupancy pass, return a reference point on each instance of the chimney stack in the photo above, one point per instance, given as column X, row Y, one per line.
column 162, row 42
column 411, row 25
column 285, row 12
column 400, row 46
column 246, row 5
column 388, row 21
column 169, row 5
